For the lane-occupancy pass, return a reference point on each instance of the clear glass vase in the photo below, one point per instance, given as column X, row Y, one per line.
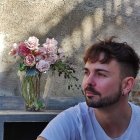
column 30, row 90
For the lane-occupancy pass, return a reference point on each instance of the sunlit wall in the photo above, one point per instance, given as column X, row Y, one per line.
column 74, row 23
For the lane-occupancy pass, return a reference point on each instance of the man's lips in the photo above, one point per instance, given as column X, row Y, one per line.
column 90, row 94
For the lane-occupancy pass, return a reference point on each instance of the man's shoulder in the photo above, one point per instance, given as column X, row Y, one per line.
column 77, row 114
column 79, row 110
column 80, row 107
column 135, row 109
column 134, row 106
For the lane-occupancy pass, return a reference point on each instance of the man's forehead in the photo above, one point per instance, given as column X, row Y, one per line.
column 99, row 64
column 95, row 64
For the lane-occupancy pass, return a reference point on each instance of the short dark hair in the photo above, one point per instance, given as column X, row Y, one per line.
column 124, row 54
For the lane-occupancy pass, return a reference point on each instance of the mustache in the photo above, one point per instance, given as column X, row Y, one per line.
column 91, row 89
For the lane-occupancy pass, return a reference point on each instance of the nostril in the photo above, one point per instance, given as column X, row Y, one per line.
column 90, row 85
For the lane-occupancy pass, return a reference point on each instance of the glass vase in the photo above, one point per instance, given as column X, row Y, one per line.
column 30, row 90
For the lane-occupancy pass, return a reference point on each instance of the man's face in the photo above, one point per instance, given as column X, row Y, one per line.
column 102, row 83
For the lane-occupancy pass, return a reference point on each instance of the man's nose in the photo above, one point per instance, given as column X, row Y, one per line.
column 91, row 80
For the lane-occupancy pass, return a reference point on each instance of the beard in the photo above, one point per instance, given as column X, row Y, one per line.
column 102, row 102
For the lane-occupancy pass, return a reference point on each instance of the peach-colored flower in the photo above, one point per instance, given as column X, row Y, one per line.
column 14, row 50
column 32, row 43
column 43, row 65
column 29, row 60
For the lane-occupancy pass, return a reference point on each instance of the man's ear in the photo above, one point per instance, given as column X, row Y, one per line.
column 128, row 84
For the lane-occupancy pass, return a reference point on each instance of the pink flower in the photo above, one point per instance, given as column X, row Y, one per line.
column 14, row 50
column 32, row 43
column 50, row 45
column 43, row 65
column 51, row 42
column 52, row 58
column 29, row 60
column 23, row 50
column 37, row 57
column 42, row 50
column 41, row 54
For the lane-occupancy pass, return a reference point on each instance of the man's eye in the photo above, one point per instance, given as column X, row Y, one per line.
column 85, row 72
column 101, row 74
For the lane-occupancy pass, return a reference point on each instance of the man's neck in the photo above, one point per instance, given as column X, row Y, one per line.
column 115, row 119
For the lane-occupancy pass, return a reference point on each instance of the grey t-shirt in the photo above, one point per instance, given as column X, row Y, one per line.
column 79, row 123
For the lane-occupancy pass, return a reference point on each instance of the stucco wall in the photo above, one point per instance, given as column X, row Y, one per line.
column 74, row 23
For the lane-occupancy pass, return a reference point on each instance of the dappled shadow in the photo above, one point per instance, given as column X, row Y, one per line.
column 72, row 26
column 104, row 13
column 9, row 84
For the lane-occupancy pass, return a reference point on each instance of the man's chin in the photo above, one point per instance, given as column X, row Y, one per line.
column 93, row 104
column 90, row 103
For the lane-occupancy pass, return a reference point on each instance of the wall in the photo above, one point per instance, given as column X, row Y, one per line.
column 74, row 23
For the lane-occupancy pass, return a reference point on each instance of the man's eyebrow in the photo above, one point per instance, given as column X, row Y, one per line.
column 85, row 69
column 98, row 69
column 102, row 70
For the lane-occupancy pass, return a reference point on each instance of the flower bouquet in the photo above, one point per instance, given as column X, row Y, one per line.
column 35, row 59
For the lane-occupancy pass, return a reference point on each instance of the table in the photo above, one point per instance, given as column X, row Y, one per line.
column 24, row 116
column 12, row 110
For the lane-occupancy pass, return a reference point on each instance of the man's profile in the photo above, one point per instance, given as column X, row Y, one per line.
column 109, row 76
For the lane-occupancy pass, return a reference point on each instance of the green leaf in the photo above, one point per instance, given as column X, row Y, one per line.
column 22, row 67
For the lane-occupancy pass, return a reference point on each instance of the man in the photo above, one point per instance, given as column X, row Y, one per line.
column 109, row 76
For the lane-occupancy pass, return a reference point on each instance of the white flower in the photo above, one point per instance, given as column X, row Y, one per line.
column 32, row 43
